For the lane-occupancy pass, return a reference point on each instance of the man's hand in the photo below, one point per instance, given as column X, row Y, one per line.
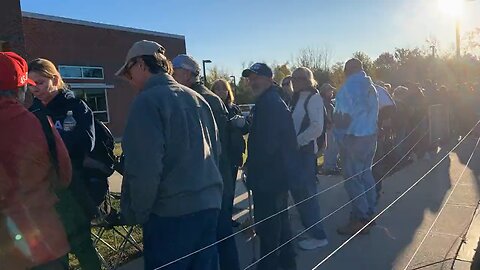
column 238, row 121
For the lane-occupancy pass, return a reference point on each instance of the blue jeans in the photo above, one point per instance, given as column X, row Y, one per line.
column 309, row 210
column 273, row 232
column 227, row 250
column 357, row 155
column 331, row 152
column 168, row 238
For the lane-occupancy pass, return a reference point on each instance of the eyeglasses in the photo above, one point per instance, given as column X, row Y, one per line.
column 129, row 67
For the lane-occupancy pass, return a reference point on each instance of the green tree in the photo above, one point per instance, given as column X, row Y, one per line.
column 367, row 62
column 337, row 77
column 244, row 94
column 280, row 72
column 385, row 66
column 216, row 73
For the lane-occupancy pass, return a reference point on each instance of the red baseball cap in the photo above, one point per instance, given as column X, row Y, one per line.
column 13, row 71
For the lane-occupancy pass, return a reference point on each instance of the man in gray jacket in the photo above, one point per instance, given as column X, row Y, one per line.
column 187, row 72
column 171, row 182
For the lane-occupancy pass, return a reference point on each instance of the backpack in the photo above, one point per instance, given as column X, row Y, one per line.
column 96, row 180
column 102, row 154
column 103, row 149
column 320, row 141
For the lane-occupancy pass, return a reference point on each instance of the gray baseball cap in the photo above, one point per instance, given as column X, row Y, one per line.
column 186, row 62
column 139, row 48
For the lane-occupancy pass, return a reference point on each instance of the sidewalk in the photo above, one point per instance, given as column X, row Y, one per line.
column 391, row 244
column 468, row 254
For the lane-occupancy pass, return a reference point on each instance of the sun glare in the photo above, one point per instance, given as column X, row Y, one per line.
column 453, row 8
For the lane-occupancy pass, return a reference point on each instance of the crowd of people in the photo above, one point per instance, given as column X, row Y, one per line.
column 183, row 146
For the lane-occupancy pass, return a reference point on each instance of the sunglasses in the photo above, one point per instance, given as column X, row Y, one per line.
column 130, row 66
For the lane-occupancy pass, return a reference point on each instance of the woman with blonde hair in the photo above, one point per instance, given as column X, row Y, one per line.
column 73, row 119
column 308, row 113
column 228, row 255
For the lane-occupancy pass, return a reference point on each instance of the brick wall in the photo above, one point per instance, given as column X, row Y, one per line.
column 11, row 28
column 80, row 45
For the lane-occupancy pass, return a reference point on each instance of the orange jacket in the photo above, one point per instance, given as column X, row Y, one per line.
column 29, row 225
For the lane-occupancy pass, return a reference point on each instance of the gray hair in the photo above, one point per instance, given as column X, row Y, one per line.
column 306, row 73
column 18, row 94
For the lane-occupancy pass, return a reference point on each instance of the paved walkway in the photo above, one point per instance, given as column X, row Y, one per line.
column 391, row 244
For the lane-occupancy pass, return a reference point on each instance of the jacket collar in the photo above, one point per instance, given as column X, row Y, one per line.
column 158, row 79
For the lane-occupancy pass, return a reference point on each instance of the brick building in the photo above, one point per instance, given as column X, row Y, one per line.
column 87, row 55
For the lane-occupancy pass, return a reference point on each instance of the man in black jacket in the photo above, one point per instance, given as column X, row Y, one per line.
column 271, row 156
column 186, row 71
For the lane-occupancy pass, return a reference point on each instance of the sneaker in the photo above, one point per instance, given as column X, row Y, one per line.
column 302, row 234
column 353, row 227
column 312, row 243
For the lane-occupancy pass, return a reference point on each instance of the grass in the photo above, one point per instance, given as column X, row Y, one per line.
column 113, row 258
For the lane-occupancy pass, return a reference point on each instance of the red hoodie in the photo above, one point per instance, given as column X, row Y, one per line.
column 29, row 225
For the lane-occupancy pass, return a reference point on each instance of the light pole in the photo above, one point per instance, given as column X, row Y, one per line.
column 433, row 47
column 204, row 71
column 234, row 83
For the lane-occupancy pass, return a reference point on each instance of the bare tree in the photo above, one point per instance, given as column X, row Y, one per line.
column 472, row 41
column 314, row 58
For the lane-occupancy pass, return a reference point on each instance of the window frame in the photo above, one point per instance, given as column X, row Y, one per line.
column 81, row 70
column 107, row 111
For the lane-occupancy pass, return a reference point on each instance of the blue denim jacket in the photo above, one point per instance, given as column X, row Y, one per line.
column 356, row 110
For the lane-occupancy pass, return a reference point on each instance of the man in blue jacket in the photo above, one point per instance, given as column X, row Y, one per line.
column 272, row 148
column 355, row 128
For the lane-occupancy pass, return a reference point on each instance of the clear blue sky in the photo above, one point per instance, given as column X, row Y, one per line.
column 236, row 32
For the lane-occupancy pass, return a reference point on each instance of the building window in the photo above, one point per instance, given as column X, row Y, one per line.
column 78, row 72
column 97, row 100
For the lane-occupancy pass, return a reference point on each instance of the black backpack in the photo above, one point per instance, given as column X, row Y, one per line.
column 97, row 179
column 320, row 141
column 103, row 149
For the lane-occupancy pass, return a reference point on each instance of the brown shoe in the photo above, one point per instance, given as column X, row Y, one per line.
column 353, row 227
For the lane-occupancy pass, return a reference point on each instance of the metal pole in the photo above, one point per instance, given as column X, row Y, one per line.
column 457, row 36
column 234, row 84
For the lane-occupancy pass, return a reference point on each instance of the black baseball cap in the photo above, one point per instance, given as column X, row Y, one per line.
column 261, row 69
